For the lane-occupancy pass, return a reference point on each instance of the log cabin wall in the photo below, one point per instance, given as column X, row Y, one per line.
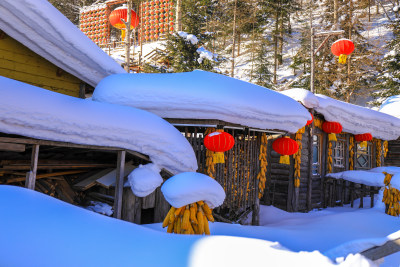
column 393, row 155
column 20, row 63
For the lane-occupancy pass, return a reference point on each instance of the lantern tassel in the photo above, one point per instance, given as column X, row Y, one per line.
column 363, row 144
column 332, row 137
column 219, row 157
column 342, row 59
column 285, row 159
column 123, row 35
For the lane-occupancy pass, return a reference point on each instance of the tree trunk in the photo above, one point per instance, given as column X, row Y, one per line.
column 276, row 45
column 335, row 13
column 178, row 14
column 234, row 41
column 128, row 36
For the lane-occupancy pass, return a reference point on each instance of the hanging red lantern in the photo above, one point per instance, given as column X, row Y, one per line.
column 161, row 30
column 286, row 147
column 156, row 36
column 171, row 29
column 332, row 128
column 363, row 139
column 310, row 121
column 342, row 48
column 122, row 13
column 219, row 142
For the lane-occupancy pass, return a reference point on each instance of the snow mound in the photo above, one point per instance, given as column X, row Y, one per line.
column 189, row 187
column 354, row 119
column 100, row 207
column 42, row 28
column 34, row 112
column 203, row 95
column 391, row 106
column 145, row 179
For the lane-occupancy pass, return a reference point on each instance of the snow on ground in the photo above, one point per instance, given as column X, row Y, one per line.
column 203, row 95
column 391, row 106
column 190, row 187
column 145, row 179
column 353, row 118
column 34, row 112
column 49, row 232
column 43, row 29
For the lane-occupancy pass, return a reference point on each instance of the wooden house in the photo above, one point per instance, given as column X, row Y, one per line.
column 45, row 49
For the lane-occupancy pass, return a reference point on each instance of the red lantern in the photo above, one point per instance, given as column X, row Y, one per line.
column 310, row 121
column 219, row 142
column 121, row 13
column 156, row 36
column 332, row 128
column 342, row 48
column 363, row 138
column 285, row 146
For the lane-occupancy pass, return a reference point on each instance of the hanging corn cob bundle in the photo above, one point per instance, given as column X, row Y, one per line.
column 385, row 148
column 210, row 165
column 297, row 157
column 391, row 196
column 262, row 178
column 190, row 219
column 378, row 152
column 318, row 123
column 330, row 161
column 351, row 153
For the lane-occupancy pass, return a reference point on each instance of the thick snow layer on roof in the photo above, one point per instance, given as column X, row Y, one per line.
column 372, row 177
column 354, row 119
column 60, row 234
column 145, row 179
column 190, row 187
column 43, row 29
column 204, row 95
column 31, row 111
column 391, row 106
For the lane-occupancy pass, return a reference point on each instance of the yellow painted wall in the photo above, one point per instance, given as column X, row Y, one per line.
column 20, row 63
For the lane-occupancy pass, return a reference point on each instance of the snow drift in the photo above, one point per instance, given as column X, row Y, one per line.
column 31, row 111
column 203, row 95
column 391, row 106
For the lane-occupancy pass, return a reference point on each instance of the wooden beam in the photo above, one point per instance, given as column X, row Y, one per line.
column 12, row 147
column 119, row 186
column 386, row 249
column 31, row 175
column 45, row 175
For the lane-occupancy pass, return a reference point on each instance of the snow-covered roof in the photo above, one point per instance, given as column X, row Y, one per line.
column 34, row 112
column 354, row 119
column 204, row 95
column 43, row 29
column 391, row 106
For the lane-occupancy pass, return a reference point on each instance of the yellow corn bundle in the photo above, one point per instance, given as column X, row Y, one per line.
column 391, row 196
column 330, row 161
column 385, row 148
column 378, row 152
column 190, row 219
column 297, row 157
column 351, row 153
column 210, row 165
column 261, row 176
column 318, row 123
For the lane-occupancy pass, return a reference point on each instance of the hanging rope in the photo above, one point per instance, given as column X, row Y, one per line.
column 351, row 153
column 262, row 178
column 297, row 156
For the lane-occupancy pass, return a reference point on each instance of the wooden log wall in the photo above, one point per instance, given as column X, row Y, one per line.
column 238, row 175
column 393, row 155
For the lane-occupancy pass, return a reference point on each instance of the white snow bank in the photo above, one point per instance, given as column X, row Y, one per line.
column 31, row 111
column 354, row 119
column 145, row 179
column 100, row 207
column 42, row 28
column 373, row 177
column 391, row 106
column 189, row 187
column 58, row 230
column 204, row 95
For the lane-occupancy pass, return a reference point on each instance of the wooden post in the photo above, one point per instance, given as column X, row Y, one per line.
column 310, row 164
column 31, row 175
column 119, row 185
column 256, row 212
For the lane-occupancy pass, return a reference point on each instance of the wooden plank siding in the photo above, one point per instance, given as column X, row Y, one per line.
column 20, row 63
column 393, row 155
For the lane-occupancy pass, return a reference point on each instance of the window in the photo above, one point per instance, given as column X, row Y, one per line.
column 363, row 157
column 316, row 167
column 338, row 154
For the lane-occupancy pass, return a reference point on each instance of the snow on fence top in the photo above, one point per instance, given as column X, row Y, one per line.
column 354, row 119
column 204, row 95
column 31, row 111
column 391, row 106
column 43, row 29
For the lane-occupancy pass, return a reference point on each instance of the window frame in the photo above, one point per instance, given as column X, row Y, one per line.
column 368, row 155
column 317, row 165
